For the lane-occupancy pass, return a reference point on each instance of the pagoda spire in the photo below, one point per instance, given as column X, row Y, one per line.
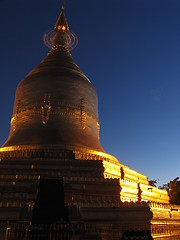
column 60, row 38
column 61, row 23
column 63, row 5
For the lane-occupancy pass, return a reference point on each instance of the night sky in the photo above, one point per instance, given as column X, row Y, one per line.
column 130, row 51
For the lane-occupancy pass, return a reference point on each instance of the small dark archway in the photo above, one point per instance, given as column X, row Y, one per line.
column 49, row 206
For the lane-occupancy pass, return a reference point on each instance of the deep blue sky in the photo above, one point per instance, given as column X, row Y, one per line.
column 130, row 51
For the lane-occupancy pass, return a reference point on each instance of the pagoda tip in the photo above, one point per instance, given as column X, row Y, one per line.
column 63, row 5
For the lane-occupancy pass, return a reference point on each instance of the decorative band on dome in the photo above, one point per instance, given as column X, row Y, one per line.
column 71, row 39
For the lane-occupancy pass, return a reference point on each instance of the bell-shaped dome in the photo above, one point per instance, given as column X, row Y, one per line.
column 56, row 104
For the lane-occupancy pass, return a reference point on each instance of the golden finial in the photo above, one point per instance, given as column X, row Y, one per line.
column 63, row 5
column 51, row 38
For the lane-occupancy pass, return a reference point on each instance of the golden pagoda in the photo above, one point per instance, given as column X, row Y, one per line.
column 57, row 182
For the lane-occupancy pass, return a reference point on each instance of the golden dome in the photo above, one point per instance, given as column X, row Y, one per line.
column 56, row 104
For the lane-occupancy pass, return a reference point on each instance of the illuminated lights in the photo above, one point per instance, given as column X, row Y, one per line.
column 63, row 28
column 60, row 27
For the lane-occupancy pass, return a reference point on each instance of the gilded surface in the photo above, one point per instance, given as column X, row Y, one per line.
column 57, row 94
column 83, row 113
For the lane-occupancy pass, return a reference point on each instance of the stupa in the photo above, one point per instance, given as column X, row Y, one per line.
column 57, row 182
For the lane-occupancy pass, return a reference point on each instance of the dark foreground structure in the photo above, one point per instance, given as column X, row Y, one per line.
column 57, row 182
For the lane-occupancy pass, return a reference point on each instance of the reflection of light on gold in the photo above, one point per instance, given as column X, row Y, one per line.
column 12, row 120
column 88, row 154
column 129, row 184
column 112, row 170
column 7, row 232
column 13, row 123
column 165, row 235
